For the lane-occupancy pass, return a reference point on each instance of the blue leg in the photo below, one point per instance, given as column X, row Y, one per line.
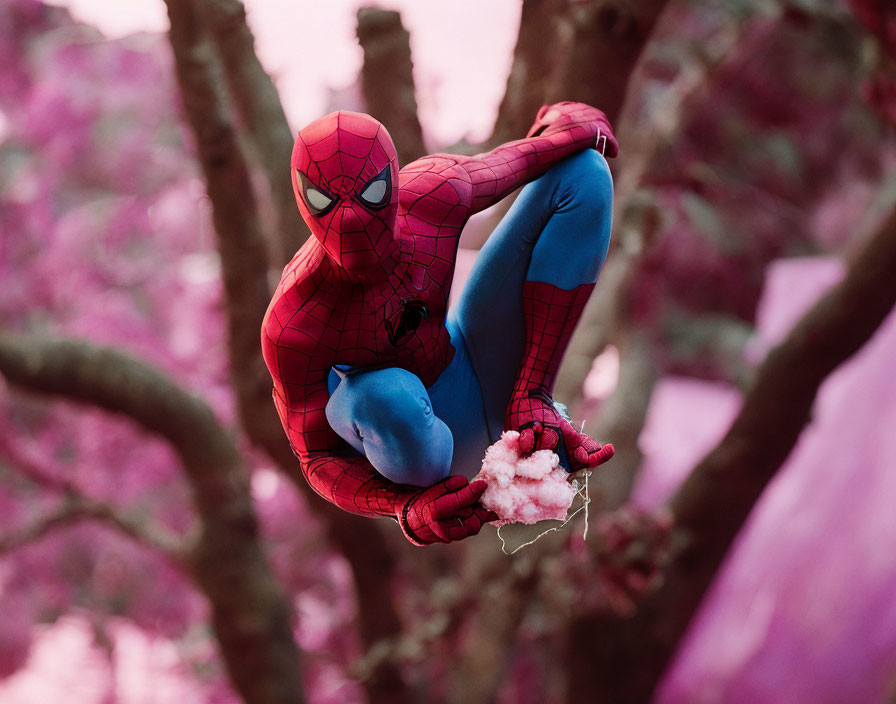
column 386, row 415
column 558, row 232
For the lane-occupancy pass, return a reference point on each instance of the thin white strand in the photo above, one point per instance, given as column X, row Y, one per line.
column 583, row 507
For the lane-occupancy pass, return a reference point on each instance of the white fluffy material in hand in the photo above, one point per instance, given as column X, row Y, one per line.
column 525, row 489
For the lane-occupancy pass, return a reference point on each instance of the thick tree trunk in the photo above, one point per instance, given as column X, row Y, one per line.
column 548, row 39
column 387, row 79
column 621, row 660
column 539, row 60
column 609, row 36
column 258, row 105
column 636, row 222
column 244, row 268
column 240, row 235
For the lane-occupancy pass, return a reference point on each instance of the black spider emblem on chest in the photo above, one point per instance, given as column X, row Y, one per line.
column 411, row 313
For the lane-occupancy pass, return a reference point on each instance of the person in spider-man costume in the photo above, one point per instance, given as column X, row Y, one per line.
column 388, row 397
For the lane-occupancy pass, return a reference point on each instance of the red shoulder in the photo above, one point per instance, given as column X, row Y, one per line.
column 295, row 334
column 435, row 192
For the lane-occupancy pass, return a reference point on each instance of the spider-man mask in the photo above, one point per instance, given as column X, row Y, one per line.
column 344, row 174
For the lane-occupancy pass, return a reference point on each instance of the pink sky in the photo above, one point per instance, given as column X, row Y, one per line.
column 461, row 50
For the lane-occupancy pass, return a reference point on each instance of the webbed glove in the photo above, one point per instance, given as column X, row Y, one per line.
column 561, row 116
column 445, row 512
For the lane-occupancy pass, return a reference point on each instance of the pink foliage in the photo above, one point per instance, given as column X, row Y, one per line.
column 106, row 235
column 524, row 489
column 803, row 610
column 89, row 154
column 72, row 661
column 764, row 145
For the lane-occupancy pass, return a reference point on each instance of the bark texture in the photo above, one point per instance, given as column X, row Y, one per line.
column 241, row 244
column 261, row 113
column 539, row 60
column 637, row 223
column 387, row 79
column 608, row 38
column 250, row 614
column 235, row 212
column 621, row 660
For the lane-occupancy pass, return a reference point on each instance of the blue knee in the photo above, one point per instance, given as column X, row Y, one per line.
column 582, row 181
column 573, row 245
column 387, row 416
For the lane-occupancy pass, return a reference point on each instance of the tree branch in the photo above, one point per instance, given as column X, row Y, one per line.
column 622, row 417
column 76, row 507
column 234, row 209
column 608, row 38
column 539, row 59
column 387, row 79
column 633, row 654
column 26, row 464
column 241, row 245
column 250, row 614
column 637, row 223
column 259, row 107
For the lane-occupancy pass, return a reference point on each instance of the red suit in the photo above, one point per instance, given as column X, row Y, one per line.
column 370, row 291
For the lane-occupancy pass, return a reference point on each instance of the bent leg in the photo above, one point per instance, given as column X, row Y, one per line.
column 557, row 233
column 386, row 415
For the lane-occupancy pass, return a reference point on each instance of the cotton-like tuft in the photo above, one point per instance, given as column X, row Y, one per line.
column 524, row 489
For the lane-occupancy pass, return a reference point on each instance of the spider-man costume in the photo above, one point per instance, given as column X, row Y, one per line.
column 381, row 389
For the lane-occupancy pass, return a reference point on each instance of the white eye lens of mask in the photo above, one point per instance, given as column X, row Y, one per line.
column 316, row 199
column 375, row 192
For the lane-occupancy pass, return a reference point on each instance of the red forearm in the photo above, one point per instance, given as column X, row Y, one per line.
column 497, row 173
column 353, row 485
column 559, row 131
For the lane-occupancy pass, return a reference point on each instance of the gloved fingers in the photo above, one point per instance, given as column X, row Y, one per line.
column 449, row 505
column 584, row 452
column 558, row 116
column 471, row 525
column 605, row 453
column 487, row 515
column 549, row 438
column 426, row 535
column 466, row 522
column 465, row 513
column 542, row 111
column 540, row 123
column 538, row 436
column 447, row 485
column 450, row 483
column 446, row 530
column 528, row 438
column 606, row 144
column 612, row 146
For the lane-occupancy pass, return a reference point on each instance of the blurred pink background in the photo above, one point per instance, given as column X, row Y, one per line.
column 462, row 52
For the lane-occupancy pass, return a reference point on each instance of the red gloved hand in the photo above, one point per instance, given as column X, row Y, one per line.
column 447, row 511
column 584, row 451
column 541, row 426
column 562, row 116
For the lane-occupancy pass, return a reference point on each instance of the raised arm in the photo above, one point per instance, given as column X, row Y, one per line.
column 559, row 131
